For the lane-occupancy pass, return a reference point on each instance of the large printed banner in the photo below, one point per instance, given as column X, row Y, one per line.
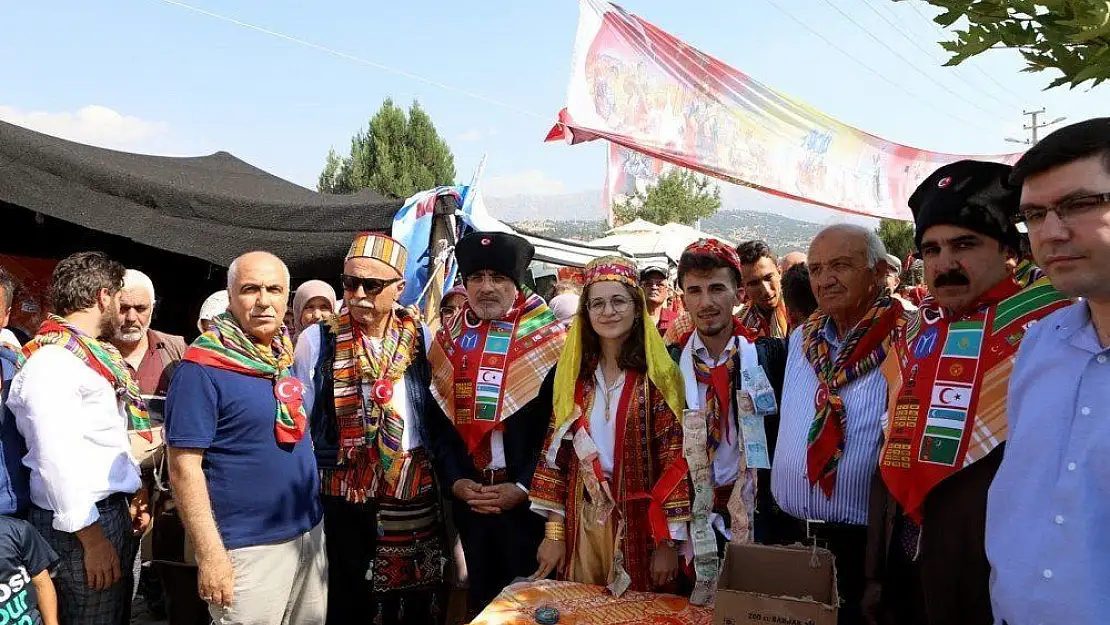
column 640, row 87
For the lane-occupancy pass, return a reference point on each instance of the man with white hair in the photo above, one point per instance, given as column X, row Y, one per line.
column 150, row 355
column 833, row 402
column 243, row 471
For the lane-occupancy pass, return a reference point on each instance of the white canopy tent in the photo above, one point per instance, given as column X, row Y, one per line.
column 642, row 240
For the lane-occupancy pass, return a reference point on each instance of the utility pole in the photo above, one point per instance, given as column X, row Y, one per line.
column 1033, row 127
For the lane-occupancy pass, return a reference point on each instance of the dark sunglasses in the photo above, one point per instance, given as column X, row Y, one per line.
column 371, row 286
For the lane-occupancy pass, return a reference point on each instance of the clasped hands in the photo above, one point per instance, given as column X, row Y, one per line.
column 493, row 499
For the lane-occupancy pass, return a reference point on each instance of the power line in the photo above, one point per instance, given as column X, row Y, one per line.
column 978, row 69
column 357, row 59
column 905, row 60
column 865, row 66
column 897, row 28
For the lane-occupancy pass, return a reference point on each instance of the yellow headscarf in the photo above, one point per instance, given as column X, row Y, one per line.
column 661, row 369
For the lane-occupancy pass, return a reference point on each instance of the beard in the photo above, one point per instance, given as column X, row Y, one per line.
column 130, row 334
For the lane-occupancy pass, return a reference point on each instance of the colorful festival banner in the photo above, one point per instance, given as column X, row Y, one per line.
column 640, row 87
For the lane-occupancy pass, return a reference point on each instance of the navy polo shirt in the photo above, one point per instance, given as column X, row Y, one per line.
column 261, row 491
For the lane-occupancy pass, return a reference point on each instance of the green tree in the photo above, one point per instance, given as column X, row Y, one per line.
column 897, row 236
column 397, row 155
column 680, row 196
column 1069, row 36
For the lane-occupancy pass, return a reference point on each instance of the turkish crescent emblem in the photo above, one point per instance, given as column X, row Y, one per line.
column 944, row 182
column 485, row 241
column 821, row 397
column 489, row 377
column 944, row 395
column 288, row 389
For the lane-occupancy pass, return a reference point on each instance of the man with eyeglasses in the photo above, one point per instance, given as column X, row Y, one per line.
column 655, row 280
column 1047, row 537
column 722, row 361
column 365, row 374
column 493, row 369
column 946, row 419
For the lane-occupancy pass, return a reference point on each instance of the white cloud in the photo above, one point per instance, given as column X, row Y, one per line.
column 93, row 125
column 470, row 136
column 531, row 182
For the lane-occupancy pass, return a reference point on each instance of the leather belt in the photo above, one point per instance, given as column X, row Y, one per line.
column 491, row 477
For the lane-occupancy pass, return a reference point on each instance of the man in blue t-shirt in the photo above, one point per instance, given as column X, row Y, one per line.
column 242, row 470
column 27, row 594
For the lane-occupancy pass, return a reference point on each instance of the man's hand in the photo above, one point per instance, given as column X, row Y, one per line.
column 503, row 497
column 550, row 557
column 475, row 496
column 216, row 579
column 664, row 564
column 140, row 512
column 101, row 559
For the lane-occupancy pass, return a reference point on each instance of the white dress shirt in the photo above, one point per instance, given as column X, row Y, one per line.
column 304, row 368
column 865, row 405
column 76, row 432
column 726, row 459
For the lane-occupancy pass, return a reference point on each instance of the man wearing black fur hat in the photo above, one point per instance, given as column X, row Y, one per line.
column 493, row 369
column 946, row 422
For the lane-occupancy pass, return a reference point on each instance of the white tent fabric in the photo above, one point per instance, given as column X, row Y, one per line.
column 643, row 239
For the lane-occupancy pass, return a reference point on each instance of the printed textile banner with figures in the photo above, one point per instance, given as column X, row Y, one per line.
column 640, row 87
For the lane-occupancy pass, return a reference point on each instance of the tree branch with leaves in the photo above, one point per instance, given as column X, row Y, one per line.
column 1068, row 36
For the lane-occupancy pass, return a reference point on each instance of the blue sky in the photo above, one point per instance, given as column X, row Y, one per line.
column 165, row 79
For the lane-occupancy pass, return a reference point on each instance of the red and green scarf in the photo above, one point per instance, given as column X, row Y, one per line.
column 864, row 348
column 373, row 425
column 948, row 380
column 102, row 358
column 226, row 346
column 777, row 328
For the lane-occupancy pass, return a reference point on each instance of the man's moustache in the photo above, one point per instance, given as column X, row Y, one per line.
column 952, row 278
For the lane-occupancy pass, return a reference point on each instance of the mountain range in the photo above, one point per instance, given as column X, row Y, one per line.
column 578, row 216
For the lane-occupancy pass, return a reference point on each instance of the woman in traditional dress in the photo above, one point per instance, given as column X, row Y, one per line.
column 612, row 480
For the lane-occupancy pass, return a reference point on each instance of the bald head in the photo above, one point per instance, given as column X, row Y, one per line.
column 258, row 293
column 791, row 259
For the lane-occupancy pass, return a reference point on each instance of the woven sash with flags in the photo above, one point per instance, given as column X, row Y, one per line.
column 102, row 358
column 948, row 382
column 863, row 349
column 484, row 371
column 225, row 346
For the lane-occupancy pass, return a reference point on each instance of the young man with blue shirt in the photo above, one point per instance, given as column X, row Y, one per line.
column 1047, row 537
column 241, row 465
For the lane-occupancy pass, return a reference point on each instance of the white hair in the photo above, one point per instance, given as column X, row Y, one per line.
column 233, row 269
column 134, row 279
column 876, row 250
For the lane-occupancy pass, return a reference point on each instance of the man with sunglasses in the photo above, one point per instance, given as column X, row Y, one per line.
column 1047, row 536
column 946, row 419
column 493, row 369
column 366, row 378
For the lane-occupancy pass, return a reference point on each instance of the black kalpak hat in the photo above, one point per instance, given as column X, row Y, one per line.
column 505, row 253
column 971, row 194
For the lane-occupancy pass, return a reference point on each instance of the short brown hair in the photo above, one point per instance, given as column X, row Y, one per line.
column 78, row 279
column 700, row 261
column 633, row 354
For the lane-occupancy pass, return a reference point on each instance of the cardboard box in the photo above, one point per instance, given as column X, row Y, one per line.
column 761, row 584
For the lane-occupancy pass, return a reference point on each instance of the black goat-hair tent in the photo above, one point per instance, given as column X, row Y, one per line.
column 180, row 220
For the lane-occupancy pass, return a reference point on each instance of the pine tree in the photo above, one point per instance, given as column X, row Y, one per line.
column 397, row 155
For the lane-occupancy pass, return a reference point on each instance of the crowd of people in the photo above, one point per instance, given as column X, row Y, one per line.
column 324, row 462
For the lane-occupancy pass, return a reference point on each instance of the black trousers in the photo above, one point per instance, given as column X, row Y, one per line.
column 848, row 544
column 179, row 579
column 352, row 541
column 499, row 549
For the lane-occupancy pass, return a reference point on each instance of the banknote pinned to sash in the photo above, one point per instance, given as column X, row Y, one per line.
column 755, row 400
